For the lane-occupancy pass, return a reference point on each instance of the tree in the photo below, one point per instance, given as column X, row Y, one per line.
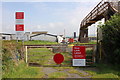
column 111, row 39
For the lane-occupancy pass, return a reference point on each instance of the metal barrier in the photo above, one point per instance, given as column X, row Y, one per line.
column 42, row 55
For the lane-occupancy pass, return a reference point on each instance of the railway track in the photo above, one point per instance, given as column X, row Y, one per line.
column 44, row 46
column 58, row 45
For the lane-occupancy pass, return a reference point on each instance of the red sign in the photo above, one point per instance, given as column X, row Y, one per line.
column 79, row 52
column 58, row 58
column 71, row 40
column 19, row 15
column 19, row 27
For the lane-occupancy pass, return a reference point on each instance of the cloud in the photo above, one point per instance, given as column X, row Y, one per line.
column 57, row 19
column 54, row 25
column 9, row 29
column 54, row 28
column 70, row 20
column 75, row 17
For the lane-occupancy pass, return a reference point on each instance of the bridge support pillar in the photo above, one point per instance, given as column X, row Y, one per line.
column 119, row 6
column 106, row 15
column 83, row 36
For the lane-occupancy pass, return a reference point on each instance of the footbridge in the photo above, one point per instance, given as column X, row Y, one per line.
column 104, row 9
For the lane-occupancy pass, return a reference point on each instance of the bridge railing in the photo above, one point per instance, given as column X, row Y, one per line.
column 115, row 5
column 98, row 10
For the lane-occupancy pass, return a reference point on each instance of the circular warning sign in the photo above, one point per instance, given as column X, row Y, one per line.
column 58, row 58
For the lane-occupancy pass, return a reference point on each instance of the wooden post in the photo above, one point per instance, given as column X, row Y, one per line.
column 97, row 52
column 119, row 6
column 100, row 52
column 26, row 54
column 94, row 49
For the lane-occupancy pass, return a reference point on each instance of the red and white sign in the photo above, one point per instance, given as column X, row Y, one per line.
column 19, row 27
column 19, row 15
column 79, row 55
column 79, row 52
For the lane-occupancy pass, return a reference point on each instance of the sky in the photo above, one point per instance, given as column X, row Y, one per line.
column 52, row 16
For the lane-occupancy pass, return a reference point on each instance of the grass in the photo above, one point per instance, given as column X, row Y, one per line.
column 23, row 71
column 38, row 42
column 67, row 59
column 73, row 71
column 78, row 43
column 57, row 75
column 13, row 68
column 62, row 68
column 107, row 75
column 89, row 52
column 91, row 72
column 105, row 71
column 40, row 55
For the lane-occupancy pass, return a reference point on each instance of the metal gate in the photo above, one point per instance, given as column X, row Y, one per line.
column 42, row 55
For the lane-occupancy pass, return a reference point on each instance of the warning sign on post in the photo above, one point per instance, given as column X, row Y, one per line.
column 19, row 26
column 19, row 15
column 79, row 56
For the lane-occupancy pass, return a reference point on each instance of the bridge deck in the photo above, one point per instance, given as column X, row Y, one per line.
column 104, row 9
column 99, row 12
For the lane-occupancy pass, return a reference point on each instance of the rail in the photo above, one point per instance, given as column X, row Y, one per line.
column 97, row 11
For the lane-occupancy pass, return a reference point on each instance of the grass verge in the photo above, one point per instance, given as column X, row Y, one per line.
column 38, row 42
column 104, row 71
column 57, row 75
column 23, row 71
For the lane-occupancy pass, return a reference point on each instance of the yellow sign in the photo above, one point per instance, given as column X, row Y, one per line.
column 70, row 45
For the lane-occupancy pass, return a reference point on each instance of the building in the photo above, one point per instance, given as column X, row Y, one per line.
column 6, row 36
column 44, row 36
column 47, row 37
column 40, row 32
column 60, row 38
column 27, row 36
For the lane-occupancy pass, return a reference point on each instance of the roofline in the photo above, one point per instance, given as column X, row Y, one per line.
column 43, row 33
column 6, row 34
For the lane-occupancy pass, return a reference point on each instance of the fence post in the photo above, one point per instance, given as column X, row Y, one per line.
column 26, row 53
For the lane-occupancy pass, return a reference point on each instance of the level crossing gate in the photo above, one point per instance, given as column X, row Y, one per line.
column 42, row 55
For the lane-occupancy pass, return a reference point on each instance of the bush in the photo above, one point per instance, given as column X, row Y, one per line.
column 9, row 55
column 111, row 39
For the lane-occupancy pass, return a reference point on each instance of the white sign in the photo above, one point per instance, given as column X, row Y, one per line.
column 19, row 21
column 79, row 62
column 20, row 35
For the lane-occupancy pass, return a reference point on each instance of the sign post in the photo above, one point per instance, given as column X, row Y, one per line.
column 79, row 56
column 19, row 26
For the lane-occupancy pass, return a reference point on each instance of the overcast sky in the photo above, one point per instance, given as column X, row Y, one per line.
column 47, row 15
